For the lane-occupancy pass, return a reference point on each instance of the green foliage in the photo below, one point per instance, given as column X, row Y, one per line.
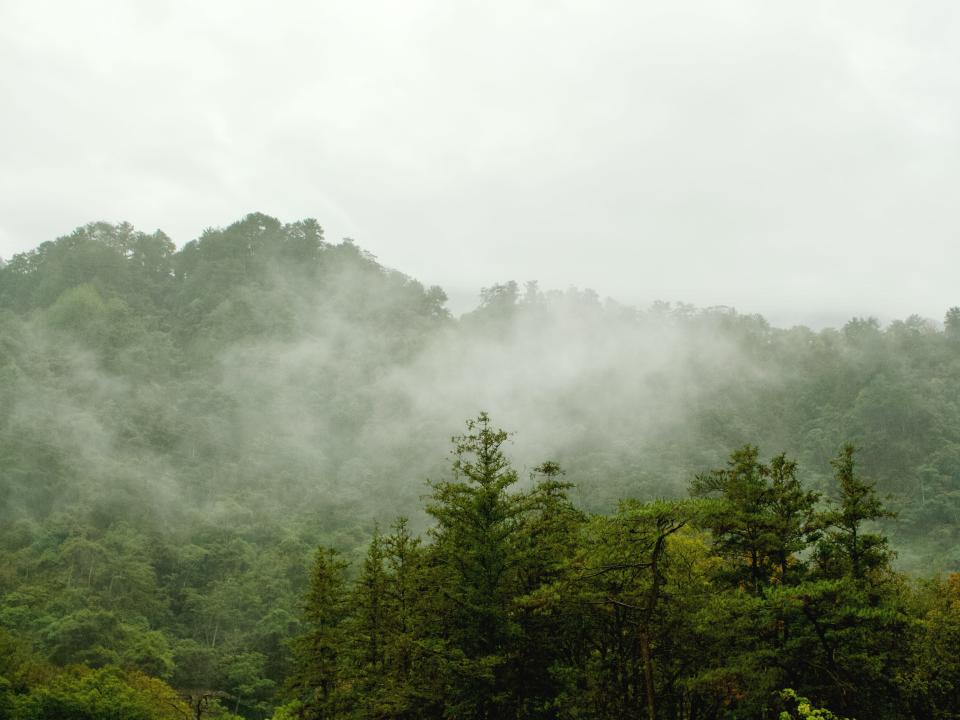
column 930, row 678
column 847, row 546
column 761, row 519
column 521, row 606
column 316, row 681
column 179, row 428
column 802, row 709
column 475, row 537
column 81, row 693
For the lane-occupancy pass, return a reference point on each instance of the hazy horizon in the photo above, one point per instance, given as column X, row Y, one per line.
column 463, row 299
column 797, row 162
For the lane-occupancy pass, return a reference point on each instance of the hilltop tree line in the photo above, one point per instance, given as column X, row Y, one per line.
column 181, row 428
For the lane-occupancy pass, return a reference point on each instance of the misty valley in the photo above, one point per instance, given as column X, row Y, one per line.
column 263, row 476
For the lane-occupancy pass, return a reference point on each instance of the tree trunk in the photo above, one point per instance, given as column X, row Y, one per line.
column 648, row 674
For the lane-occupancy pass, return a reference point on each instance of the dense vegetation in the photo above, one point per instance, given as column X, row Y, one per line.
column 179, row 430
column 521, row 606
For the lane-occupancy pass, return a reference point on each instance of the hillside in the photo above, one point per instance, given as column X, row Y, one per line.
column 179, row 429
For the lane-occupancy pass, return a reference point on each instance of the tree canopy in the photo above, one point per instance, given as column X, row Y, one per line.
column 182, row 428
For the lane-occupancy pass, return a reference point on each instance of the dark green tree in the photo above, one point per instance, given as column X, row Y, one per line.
column 477, row 522
column 760, row 518
column 848, row 546
column 316, row 682
column 854, row 603
column 548, row 618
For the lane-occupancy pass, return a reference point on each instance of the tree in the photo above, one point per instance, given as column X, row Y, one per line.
column 493, row 551
column 847, row 546
column 800, row 708
column 315, row 682
column 793, row 524
column 761, row 518
column 548, row 618
column 853, row 603
column 625, row 570
column 370, row 606
column 412, row 667
column 80, row 693
column 474, row 538
column 930, row 680
column 951, row 324
column 367, row 629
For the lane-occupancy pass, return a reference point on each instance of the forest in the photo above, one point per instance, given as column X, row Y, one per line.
column 228, row 489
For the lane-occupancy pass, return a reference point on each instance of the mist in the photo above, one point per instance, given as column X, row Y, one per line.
column 181, row 428
column 268, row 363
column 497, row 361
column 337, row 389
column 792, row 161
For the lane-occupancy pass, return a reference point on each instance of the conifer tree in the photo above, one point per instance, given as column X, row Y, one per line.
column 476, row 523
column 761, row 516
column 548, row 618
column 316, row 682
column 853, row 604
column 367, row 627
column 848, row 547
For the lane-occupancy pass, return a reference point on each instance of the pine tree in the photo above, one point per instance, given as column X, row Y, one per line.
column 366, row 630
column 853, row 603
column 410, row 667
column 848, row 548
column 475, row 543
column 548, row 618
column 793, row 522
column 762, row 517
column 316, row 682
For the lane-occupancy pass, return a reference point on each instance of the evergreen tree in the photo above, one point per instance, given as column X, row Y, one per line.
column 316, row 682
column 549, row 622
column 367, row 627
column 475, row 539
column 793, row 522
column 761, row 517
column 853, row 603
column 624, row 571
column 412, row 667
column 848, row 547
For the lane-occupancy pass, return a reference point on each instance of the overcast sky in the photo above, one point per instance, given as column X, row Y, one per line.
column 796, row 159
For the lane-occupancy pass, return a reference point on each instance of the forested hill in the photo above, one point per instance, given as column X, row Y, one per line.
column 180, row 428
column 261, row 370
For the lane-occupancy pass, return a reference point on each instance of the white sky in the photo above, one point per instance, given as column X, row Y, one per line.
column 796, row 159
